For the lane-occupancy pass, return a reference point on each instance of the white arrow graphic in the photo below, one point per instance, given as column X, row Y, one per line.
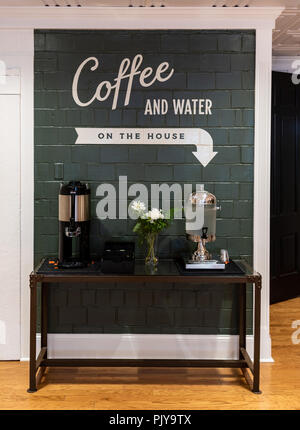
column 151, row 136
column 205, row 150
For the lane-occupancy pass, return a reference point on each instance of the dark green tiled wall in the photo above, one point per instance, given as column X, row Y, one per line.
column 208, row 64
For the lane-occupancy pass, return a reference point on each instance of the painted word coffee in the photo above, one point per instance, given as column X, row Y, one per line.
column 127, row 70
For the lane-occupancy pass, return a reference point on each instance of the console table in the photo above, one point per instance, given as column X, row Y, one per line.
column 167, row 271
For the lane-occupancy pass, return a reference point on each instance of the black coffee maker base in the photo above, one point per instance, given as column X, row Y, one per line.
column 51, row 265
column 72, row 264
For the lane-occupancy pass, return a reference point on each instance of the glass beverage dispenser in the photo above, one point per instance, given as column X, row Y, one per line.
column 206, row 205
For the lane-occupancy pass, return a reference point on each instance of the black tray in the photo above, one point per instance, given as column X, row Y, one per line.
column 230, row 269
column 47, row 268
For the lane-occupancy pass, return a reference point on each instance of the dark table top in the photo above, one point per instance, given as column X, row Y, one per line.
column 166, row 270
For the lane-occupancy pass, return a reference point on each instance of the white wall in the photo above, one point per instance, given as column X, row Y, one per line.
column 10, row 212
column 16, row 50
column 16, row 46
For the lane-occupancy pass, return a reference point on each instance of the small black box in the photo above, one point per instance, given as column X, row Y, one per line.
column 118, row 257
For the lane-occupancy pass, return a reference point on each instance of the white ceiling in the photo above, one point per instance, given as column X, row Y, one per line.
column 286, row 39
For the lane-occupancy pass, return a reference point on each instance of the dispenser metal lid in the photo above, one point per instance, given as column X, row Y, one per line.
column 202, row 198
column 208, row 203
column 74, row 187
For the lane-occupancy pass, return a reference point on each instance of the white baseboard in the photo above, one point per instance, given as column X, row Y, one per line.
column 142, row 346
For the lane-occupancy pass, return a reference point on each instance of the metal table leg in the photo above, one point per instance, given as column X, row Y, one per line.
column 32, row 364
column 242, row 320
column 257, row 311
column 44, row 317
column 44, row 327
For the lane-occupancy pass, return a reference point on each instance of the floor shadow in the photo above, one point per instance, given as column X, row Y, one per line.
column 143, row 376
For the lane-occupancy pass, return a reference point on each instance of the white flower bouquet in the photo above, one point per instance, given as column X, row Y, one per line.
column 149, row 224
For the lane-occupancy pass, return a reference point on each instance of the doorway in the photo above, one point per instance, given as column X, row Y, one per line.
column 285, row 189
column 10, row 217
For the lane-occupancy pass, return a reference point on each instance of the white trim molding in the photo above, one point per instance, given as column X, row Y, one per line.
column 262, row 177
column 140, row 18
column 143, row 346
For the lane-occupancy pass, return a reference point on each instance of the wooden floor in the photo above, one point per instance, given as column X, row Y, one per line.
column 115, row 389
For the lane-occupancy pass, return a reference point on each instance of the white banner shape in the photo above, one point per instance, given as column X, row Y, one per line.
column 152, row 136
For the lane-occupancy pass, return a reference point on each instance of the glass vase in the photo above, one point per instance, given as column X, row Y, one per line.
column 151, row 258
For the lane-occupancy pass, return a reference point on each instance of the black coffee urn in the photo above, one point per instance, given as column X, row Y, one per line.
column 74, row 224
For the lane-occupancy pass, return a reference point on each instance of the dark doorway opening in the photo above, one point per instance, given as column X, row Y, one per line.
column 285, row 189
